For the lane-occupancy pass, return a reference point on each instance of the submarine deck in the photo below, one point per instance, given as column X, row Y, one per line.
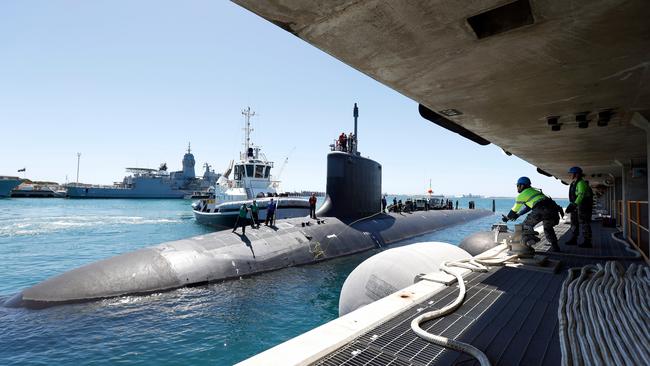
column 509, row 313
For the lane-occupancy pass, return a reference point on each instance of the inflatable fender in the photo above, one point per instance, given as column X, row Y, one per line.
column 393, row 270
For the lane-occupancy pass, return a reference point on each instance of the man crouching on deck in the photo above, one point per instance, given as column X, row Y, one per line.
column 543, row 209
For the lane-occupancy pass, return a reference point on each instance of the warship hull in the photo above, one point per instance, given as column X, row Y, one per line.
column 6, row 185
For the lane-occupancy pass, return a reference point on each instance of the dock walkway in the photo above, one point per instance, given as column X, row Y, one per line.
column 509, row 313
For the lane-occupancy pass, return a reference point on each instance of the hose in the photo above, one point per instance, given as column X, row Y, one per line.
column 603, row 315
column 475, row 264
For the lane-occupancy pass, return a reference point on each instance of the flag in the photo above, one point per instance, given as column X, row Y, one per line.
column 22, row 170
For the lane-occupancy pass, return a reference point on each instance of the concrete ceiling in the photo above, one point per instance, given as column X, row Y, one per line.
column 575, row 56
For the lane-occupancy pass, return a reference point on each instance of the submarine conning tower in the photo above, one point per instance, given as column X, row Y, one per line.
column 353, row 182
column 353, row 187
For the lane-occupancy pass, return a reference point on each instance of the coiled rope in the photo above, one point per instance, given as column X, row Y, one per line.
column 635, row 254
column 604, row 315
column 475, row 264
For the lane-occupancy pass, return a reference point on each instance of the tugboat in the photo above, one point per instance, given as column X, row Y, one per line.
column 251, row 181
column 151, row 183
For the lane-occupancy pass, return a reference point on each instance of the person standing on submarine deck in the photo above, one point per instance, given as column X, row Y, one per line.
column 255, row 221
column 312, row 206
column 241, row 219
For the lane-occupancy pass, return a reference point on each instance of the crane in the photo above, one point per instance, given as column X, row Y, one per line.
column 284, row 163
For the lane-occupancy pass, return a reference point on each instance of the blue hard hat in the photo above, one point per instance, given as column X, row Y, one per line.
column 524, row 181
column 575, row 170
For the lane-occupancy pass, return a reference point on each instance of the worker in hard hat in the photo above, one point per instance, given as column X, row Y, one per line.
column 580, row 207
column 541, row 207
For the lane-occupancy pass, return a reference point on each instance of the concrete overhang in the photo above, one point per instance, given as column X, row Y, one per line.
column 504, row 66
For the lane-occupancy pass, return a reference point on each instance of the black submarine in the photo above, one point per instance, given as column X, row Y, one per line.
column 350, row 221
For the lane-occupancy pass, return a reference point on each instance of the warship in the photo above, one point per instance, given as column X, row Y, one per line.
column 151, row 183
column 7, row 184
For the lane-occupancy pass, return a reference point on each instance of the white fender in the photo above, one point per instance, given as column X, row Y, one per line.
column 392, row 270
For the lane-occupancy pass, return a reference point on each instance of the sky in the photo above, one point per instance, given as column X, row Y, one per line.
column 131, row 83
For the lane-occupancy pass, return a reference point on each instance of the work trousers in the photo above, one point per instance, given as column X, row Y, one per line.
column 581, row 221
column 270, row 218
column 548, row 215
column 312, row 211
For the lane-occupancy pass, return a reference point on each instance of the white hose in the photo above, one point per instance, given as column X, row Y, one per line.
column 476, row 264
column 603, row 315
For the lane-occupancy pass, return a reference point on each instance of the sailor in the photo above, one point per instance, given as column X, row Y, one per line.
column 312, row 206
column 343, row 141
column 270, row 213
column 394, row 208
column 255, row 222
column 241, row 219
column 543, row 209
column 580, row 207
column 383, row 204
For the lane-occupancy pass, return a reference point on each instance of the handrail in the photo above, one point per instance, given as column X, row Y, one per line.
column 619, row 212
column 634, row 225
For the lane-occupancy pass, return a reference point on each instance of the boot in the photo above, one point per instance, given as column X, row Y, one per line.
column 586, row 244
column 572, row 241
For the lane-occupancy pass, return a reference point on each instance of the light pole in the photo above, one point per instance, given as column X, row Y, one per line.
column 78, row 158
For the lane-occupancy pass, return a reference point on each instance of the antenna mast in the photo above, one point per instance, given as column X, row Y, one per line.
column 355, row 113
column 247, row 129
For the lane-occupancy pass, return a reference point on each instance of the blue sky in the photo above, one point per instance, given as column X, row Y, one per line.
column 131, row 83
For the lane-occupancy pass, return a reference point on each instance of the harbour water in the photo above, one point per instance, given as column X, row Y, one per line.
column 216, row 324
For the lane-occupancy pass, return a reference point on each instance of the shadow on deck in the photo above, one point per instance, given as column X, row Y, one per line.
column 511, row 314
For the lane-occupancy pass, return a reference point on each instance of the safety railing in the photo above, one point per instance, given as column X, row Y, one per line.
column 619, row 211
column 637, row 233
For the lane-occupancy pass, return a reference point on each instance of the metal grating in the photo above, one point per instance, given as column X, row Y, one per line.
column 509, row 313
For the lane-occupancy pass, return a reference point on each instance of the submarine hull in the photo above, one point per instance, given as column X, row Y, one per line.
column 225, row 255
column 353, row 223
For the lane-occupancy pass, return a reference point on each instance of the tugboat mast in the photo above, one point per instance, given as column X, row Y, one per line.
column 247, row 129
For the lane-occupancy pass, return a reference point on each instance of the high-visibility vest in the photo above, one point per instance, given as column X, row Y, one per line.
column 529, row 197
column 580, row 191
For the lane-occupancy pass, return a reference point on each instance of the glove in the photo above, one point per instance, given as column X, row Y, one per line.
column 504, row 218
column 570, row 208
column 512, row 215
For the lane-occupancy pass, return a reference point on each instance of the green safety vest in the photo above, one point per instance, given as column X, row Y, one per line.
column 242, row 212
column 583, row 191
column 528, row 197
column 254, row 208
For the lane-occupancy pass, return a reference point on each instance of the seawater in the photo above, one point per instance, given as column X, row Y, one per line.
column 216, row 324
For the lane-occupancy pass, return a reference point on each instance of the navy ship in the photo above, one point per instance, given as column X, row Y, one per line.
column 152, row 183
column 7, row 184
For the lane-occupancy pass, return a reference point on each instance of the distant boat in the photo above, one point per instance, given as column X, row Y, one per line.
column 151, row 183
column 27, row 190
column 7, row 184
column 471, row 196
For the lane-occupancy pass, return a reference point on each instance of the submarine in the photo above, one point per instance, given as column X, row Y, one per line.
column 349, row 221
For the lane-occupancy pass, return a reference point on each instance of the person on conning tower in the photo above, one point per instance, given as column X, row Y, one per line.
column 541, row 207
column 580, row 207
